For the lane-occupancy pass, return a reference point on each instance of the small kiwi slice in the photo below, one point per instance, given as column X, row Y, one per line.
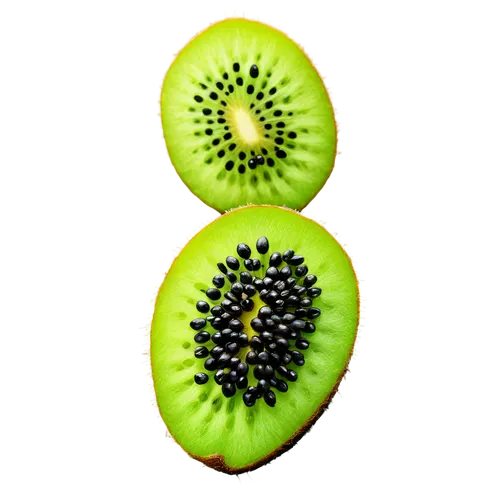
column 252, row 332
column 247, row 118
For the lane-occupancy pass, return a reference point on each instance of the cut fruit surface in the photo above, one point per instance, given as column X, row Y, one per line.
column 247, row 119
column 213, row 338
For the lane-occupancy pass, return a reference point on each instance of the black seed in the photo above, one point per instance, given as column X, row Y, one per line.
column 301, row 271
column 262, row 358
column 269, row 104
column 245, row 278
column 221, row 153
column 259, row 96
column 229, row 165
column 282, row 344
column 202, row 337
column 241, row 169
column 250, row 290
column 263, row 386
column 286, row 358
column 248, row 264
column 237, row 289
column 256, row 343
column 231, row 276
column 270, row 398
column 313, row 313
column 230, row 88
column 242, row 155
column 217, row 339
column 270, row 162
column 259, row 372
column 242, row 339
column 239, row 81
column 296, row 260
column 213, row 96
column 292, row 376
column 280, row 153
column 250, row 89
column 249, row 399
column 210, row 364
column 243, row 250
column 202, row 306
column 279, row 141
column 218, row 281
column 282, row 370
column 217, row 310
column 273, row 91
column 242, row 382
column 282, row 386
column 298, row 358
column 268, row 337
column 242, row 369
column 236, row 67
column 288, row 254
column 228, row 136
column 257, row 325
column 262, row 245
column 198, row 324
column 217, row 351
column 220, row 377
column 258, row 283
column 306, row 303
column 209, row 131
column 219, row 85
column 235, row 310
column 268, row 126
column 198, row 98
column 302, row 344
column 254, row 71
column 231, row 300
column 272, row 272
column 207, row 111
column 310, row 280
column 275, row 260
column 260, row 160
column 278, row 113
column 274, row 358
column 285, row 273
column 280, row 132
column 309, row 328
column 228, row 389
column 292, row 135
column 213, row 294
column 256, row 264
column 224, row 360
column 232, row 263
column 221, row 120
column 232, row 347
column 225, row 76
column 201, row 352
column 201, row 378
column 251, row 357
column 300, row 313
column 236, row 325
column 224, row 103
column 252, row 163
column 314, row 292
column 280, row 124
column 298, row 324
column 267, row 135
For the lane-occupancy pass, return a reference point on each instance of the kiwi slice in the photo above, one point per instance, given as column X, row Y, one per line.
column 247, row 118
column 252, row 332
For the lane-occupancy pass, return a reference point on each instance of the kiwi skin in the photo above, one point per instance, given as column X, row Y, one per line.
column 311, row 61
column 217, row 461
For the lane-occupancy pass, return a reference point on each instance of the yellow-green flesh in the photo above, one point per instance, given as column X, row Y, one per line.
column 309, row 130
column 199, row 417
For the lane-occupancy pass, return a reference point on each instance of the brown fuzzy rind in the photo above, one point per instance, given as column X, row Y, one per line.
column 313, row 63
column 217, row 461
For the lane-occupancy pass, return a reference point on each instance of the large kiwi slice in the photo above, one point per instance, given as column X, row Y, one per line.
column 252, row 332
column 247, row 118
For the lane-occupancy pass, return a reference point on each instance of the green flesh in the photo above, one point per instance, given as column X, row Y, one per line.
column 300, row 95
column 199, row 417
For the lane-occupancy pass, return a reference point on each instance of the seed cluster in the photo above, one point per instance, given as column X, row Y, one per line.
column 277, row 340
column 211, row 104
